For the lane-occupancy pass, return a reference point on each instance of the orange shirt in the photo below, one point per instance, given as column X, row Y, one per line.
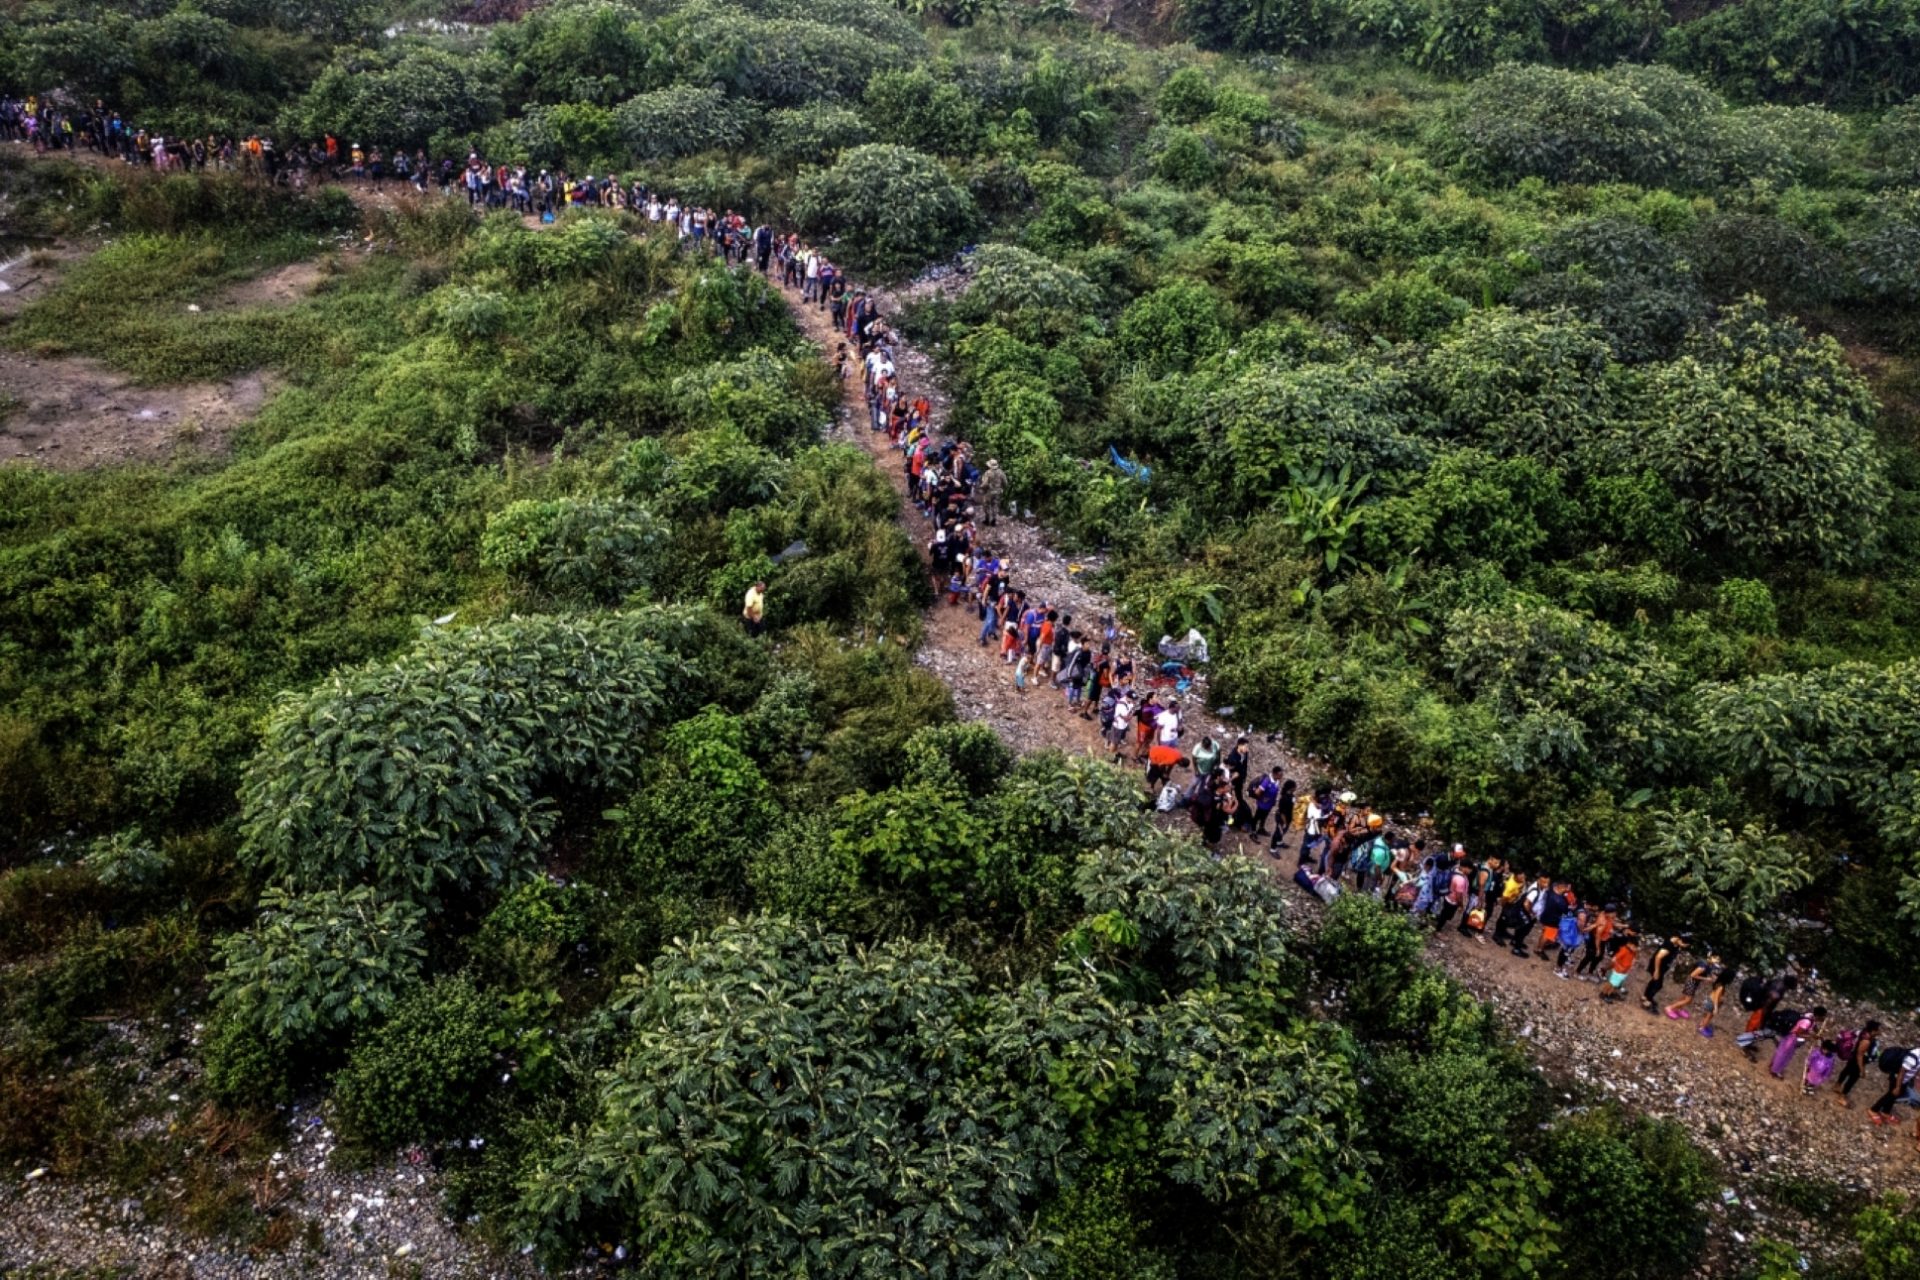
column 1623, row 960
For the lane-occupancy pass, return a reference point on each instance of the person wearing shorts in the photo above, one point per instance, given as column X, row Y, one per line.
column 1621, row 966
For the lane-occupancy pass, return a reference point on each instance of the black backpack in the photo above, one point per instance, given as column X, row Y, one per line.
column 1753, row 993
column 1890, row 1060
column 1781, row 1020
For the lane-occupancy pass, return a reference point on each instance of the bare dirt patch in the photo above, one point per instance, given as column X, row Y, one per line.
column 281, row 287
column 69, row 414
column 31, row 274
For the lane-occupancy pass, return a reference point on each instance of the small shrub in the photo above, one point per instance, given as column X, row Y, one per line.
column 1368, row 951
column 415, row 1077
column 1628, row 1192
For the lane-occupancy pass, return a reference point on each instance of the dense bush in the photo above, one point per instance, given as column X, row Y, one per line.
column 589, row 550
column 893, row 207
column 1008, row 280
column 318, row 963
column 815, row 133
column 1627, row 1191
column 680, row 121
column 425, row 776
column 415, row 1076
column 405, row 95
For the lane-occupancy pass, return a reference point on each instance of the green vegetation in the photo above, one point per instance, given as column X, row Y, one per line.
column 1528, row 398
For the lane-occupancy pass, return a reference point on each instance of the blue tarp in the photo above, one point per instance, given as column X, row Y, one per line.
column 1138, row 470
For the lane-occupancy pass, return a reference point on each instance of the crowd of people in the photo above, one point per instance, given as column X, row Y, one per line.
column 1346, row 847
column 49, row 126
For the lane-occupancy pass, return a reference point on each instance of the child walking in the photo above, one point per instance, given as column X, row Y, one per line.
column 1021, row 671
column 1624, row 953
column 1820, row 1065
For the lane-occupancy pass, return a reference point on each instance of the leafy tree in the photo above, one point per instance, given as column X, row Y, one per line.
column 1173, row 327
column 921, row 840
column 1368, row 953
column 1621, row 276
column 758, row 394
column 914, row 109
column 84, row 55
column 1008, row 280
column 424, row 775
column 1188, row 920
column 1764, row 437
column 405, row 94
column 1896, row 142
column 1889, row 1236
column 1521, row 121
column 1186, row 158
column 1730, row 884
column 815, row 133
column 1187, row 96
column 1796, row 51
column 1521, row 383
column 1566, row 691
column 1272, row 26
column 1883, row 255
column 893, row 206
column 1356, row 415
column 1401, row 307
column 1840, row 735
column 704, row 806
column 1627, row 1192
column 1247, row 1109
column 581, row 136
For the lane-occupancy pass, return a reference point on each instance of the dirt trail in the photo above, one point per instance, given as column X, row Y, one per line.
column 1761, row 1128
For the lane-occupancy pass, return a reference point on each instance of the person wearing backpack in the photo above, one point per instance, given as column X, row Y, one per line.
column 1283, row 815
column 1511, row 923
column 1858, row 1050
column 1266, row 794
column 1600, row 929
column 1772, row 993
column 1481, row 896
column 1570, row 938
column 1532, row 902
column 1657, row 967
column 1553, row 909
column 1901, row 1066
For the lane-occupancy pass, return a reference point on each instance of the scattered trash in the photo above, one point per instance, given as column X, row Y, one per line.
column 41, row 1172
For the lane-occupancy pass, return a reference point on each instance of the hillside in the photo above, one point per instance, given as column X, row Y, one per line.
column 412, row 851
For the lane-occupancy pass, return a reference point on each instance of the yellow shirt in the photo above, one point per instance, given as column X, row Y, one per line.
column 756, row 604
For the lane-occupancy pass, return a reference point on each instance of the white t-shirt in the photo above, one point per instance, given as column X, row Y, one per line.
column 1168, row 724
